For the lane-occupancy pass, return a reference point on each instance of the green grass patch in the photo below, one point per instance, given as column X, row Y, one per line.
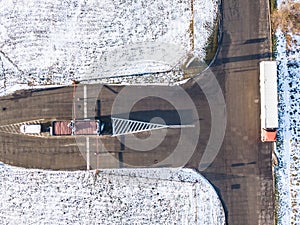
column 273, row 4
column 276, row 199
column 274, row 46
column 273, row 7
column 194, row 67
column 212, row 44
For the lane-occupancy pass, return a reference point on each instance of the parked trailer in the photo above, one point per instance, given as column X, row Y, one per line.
column 77, row 127
column 269, row 100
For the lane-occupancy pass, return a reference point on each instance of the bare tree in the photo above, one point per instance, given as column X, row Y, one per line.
column 287, row 19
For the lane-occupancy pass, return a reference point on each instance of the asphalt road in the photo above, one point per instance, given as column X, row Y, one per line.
column 242, row 169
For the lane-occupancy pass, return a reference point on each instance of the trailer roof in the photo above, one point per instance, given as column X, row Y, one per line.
column 86, row 127
column 82, row 127
column 269, row 96
column 61, row 128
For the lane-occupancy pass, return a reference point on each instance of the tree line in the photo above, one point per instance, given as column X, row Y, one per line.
column 287, row 18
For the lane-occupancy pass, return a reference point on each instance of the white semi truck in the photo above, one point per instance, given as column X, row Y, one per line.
column 65, row 128
column 268, row 100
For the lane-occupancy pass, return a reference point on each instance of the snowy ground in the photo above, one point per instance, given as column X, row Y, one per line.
column 54, row 41
column 151, row 196
column 288, row 145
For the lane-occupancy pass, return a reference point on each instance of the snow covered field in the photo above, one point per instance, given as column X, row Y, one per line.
column 54, row 41
column 288, row 145
column 152, row 196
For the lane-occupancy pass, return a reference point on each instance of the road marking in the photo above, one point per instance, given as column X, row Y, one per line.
column 84, row 101
column 88, row 153
column 124, row 126
column 181, row 126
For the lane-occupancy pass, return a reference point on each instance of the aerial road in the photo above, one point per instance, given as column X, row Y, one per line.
column 241, row 171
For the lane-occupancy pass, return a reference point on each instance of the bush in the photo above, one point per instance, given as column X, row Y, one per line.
column 287, row 19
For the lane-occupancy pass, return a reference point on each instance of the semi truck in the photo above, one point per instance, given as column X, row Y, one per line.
column 64, row 128
column 268, row 100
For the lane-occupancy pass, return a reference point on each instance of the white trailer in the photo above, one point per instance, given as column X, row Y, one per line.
column 268, row 100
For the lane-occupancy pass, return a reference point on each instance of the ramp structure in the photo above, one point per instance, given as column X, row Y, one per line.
column 124, row 126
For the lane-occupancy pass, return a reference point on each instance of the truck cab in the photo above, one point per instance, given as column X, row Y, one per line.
column 268, row 135
column 30, row 129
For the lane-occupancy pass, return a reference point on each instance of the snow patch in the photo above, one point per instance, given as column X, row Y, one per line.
column 288, row 145
column 111, row 197
column 54, row 42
